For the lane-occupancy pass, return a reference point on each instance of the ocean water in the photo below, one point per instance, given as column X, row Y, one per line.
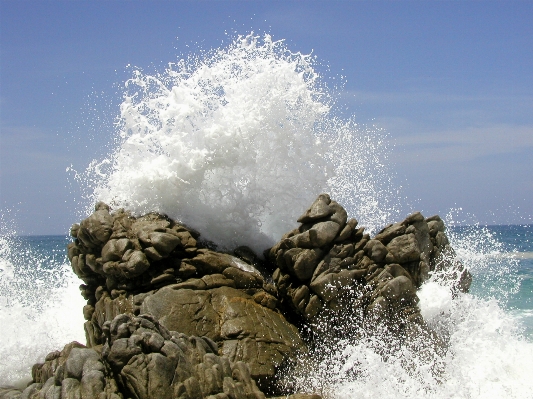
column 40, row 302
column 503, row 267
column 237, row 142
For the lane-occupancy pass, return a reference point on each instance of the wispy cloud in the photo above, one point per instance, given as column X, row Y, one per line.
column 465, row 144
column 429, row 127
column 424, row 96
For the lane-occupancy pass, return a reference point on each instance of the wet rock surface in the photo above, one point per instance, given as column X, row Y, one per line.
column 169, row 316
column 375, row 278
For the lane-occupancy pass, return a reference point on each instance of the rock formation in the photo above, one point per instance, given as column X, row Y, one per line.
column 168, row 316
column 328, row 264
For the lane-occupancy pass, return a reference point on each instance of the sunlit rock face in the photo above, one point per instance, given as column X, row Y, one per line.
column 169, row 315
column 328, row 264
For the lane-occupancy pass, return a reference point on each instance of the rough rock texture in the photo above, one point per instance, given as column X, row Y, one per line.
column 76, row 372
column 148, row 361
column 170, row 317
column 152, row 362
column 328, row 264
column 154, row 265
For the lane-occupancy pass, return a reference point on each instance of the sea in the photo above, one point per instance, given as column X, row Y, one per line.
column 237, row 142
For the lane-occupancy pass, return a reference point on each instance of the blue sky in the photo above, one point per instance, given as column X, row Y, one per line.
column 451, row 82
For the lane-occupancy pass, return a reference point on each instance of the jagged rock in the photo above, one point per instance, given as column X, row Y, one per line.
column 74, row 372
column 378, row 276
column 404, row 249
column 243, row 279
column 156, row 363
column 207, row 262
column 9, row 392
column 376, row 250
column 96, row 229
column 318, row 210
column 245, row 330
column 212, row 322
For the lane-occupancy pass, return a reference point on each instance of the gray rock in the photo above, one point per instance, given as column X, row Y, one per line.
column 8, row 392
column 318, row 210
column 114, row 249
column 242, row 327
column 217, row 280
column 329, row 285
column 390, row 232
column 404, row 248
column 339, row 215
column 70, row 389
column 301, row 263
column 435, row 226
column 164, row 243
column 243, row 279
column 92, row 384
column 325, row 233
column 96, row 229
column 414, row 218
column 208, row 262
column 149, row 376
column 76, row 360
column 376, row 250
column 192, row 284
column 136, row 265
column 399, row 288
column 123, row 350
column 324, row 268
column 347, row 231
column 180, row 365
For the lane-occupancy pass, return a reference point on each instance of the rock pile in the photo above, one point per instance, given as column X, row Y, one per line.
column 328, row 264
column 148, row 361
column 153, row 265
column 169, row 316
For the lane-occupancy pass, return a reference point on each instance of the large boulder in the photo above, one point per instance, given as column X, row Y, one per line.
column 322, row 271
column 154, row 265
column 244, row 329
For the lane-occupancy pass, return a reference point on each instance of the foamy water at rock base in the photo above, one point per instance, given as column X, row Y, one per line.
column 235, row 144
column 39, row 302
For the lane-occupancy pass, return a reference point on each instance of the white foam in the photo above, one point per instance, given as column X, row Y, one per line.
column 40, row 310
column 238, row 144
column 487, row 354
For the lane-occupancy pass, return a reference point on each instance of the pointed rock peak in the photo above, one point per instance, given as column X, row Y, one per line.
column 318, row 210
column 101, row 206
column 413, row 218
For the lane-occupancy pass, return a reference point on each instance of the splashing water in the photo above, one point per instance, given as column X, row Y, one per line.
column 486, row 354
column 237, row 144
column 483, row 254
column 40, row 304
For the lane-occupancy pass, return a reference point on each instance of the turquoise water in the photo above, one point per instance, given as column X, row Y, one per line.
column 510, row 260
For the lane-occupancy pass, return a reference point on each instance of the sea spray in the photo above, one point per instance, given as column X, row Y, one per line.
column 40, row 303
column 483, row 352
column 483, row 254
column 236, row 143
